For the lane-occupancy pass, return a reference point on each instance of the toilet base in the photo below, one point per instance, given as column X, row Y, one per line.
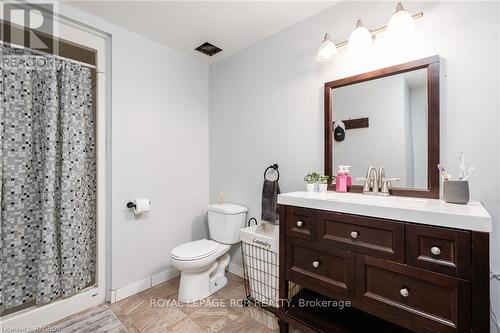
column 198, row 285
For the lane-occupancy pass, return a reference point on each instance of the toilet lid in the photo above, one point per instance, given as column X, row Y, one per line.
column 194, row 250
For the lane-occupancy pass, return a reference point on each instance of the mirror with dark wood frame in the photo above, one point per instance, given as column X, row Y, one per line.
column 389, row 117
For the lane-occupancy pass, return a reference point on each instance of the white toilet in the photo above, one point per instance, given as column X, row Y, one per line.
column 203, row 263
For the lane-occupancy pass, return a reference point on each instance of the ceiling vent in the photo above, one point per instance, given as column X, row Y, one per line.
column 208, row 49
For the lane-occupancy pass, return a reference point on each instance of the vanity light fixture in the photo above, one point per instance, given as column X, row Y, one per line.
column 400, row 26
column 361, row 39
column 327, row 49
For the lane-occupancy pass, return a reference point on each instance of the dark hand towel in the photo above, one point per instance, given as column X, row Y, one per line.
column 270, row 191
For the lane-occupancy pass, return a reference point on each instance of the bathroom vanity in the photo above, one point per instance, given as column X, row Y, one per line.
column 422, row 264
column 405, row 260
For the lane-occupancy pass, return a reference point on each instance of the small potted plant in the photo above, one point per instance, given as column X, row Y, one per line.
column 323, row 183
column 311, row 180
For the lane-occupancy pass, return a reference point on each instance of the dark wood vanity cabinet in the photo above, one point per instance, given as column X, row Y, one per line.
column 422, row 278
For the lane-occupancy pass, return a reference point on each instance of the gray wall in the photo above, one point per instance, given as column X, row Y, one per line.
column 266, row 101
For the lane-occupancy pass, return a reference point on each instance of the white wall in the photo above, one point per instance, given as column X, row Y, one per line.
column 160, row 151
column 159, row 146
column 266, row 102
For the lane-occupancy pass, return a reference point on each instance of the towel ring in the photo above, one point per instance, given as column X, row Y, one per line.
column 252, row 219
column 275, row 168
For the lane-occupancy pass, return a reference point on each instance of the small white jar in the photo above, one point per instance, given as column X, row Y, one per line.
column 310, row 187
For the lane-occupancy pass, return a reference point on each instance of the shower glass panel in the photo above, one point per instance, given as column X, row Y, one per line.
column 47, row 178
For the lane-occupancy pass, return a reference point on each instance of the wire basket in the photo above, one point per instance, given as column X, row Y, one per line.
column 260, row 254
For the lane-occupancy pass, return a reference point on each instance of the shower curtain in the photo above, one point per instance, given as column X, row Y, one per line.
column 47, row 178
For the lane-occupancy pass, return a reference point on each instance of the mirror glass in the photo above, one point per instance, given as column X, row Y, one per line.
column 396, row 136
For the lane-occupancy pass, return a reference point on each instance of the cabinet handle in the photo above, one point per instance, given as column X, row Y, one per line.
column 435, row 250
column 404, row 292
column 316, row 264
column 354, row 234
column 300, row 223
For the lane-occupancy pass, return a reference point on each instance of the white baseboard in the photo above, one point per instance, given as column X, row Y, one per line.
column 141, row 285
column 131, row 289
column 163, row 276
column 151, row 281
column 235, row 269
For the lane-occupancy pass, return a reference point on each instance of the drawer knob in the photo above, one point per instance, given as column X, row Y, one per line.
column 300, row 223
column 316, row 264
column 404, row 292
column 354, row 234
column 435, row 250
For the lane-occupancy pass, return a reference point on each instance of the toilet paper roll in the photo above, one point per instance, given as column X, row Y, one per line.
column 141, row 206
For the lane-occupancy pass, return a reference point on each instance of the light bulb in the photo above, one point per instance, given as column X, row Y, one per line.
column 360, row 39
column 327, row 49
column 401, row 24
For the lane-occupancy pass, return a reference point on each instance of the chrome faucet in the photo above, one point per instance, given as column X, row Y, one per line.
column 381, row 177
column 370, row 181
column 372, row 175
column 387, row 184
column 375, row 182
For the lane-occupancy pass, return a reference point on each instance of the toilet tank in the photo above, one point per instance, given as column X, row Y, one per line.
column 225, row 221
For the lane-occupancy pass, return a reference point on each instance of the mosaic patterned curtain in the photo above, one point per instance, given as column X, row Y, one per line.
column 47, row 178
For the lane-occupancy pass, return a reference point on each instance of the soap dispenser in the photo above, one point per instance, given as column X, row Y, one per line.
column 341, row 180
column 348, row 175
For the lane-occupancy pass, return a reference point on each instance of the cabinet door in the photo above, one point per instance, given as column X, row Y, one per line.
column 432, row 300
column 329, row 271
column 442, row 250
column 368, row 235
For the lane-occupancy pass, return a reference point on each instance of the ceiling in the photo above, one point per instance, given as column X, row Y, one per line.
column 184, row 25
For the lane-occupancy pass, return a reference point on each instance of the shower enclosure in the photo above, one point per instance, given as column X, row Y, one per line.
column 47, row 178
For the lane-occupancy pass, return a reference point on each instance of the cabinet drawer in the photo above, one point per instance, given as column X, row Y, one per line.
column 435, row 301
column 367, row 235
column 301, row 223
column 320, row 270
column 437, row 249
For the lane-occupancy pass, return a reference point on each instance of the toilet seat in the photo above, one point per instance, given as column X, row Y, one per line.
column 194, row 250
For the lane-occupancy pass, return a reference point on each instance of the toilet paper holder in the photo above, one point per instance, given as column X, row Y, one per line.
column 139, row 206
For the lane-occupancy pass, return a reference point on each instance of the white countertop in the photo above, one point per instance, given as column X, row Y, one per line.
column 472, row 216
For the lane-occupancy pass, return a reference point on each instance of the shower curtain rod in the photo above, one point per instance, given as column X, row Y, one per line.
column 53, row 55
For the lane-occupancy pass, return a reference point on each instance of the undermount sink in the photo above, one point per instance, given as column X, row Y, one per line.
column 371, row 199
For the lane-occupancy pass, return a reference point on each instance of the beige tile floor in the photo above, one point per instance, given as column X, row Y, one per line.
column 149, row 312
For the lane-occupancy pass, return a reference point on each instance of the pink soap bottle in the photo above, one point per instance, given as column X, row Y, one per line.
column 348, row 175
column 341, row 180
